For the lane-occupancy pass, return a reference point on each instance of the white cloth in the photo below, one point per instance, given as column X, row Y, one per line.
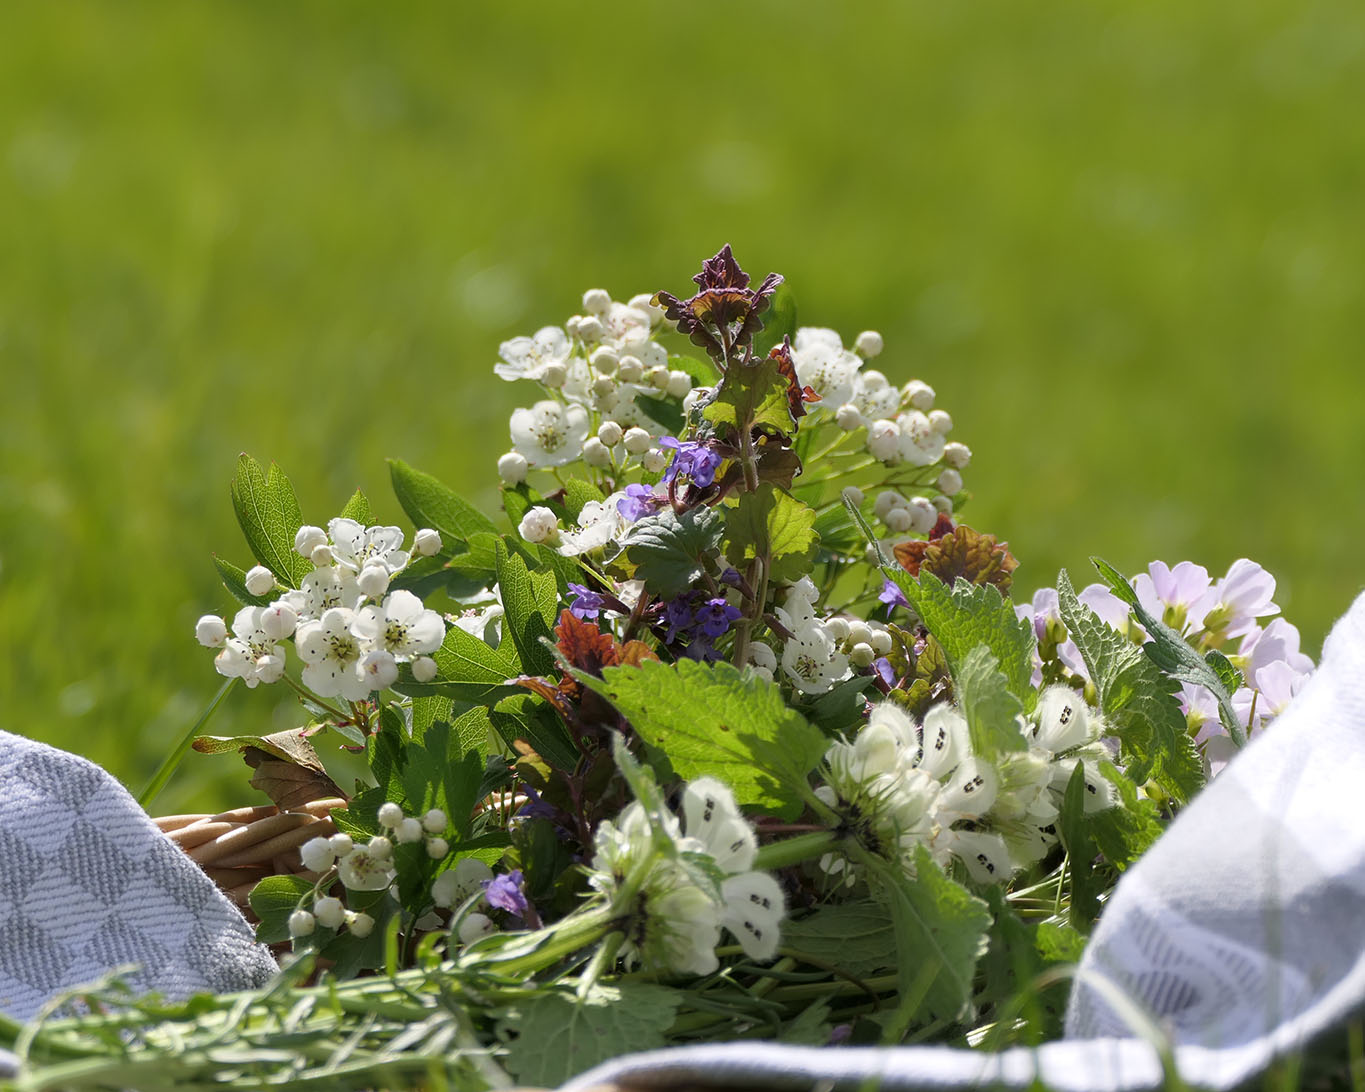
column 1241, row 932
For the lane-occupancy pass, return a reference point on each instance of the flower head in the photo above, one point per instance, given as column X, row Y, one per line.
column 549, row 433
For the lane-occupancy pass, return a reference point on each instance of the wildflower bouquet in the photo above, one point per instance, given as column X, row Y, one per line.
column 728, row 727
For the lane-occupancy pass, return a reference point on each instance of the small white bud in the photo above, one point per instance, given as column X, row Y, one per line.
column 474, row 926
column 590, row 329
column 322, row 555
column 881, row 641
column 950, row 482
column 944, row 504
column 409, row 831
column 764, row 673
column 654, row 460
column 341, row 844
column 859, row 632
column 329, row 911
column 941, row 421
column 596, row 301
column 434, row 821
column 539, row 525
column 604, row 360
column 637, row 440
column 762, row 655
column 554, row 375
column 924, row 515
column 512, row 468
column 437, row 848
column 919, row 394
column 884, row 440
column 259, row 580
column 424, row 669
column 610, row 433
column 957, row 455
column 279, row 620
column 211, row 631
column 573, row 326
column 427, row 542
column 861, row 655
column 868, row 344
column 604, row 386
column 360, row 925
column 630, row 370
column 679, row 384
column 317, row 854
column 848, row 417
column 874, row 380
column 301, row 923
column 378, row 668
column 308, row 538
column 373, row 580
column 390, row 815
column 645, row 302
column 380, row 848
column 886, row 500
column 657, row 377
column 899, row 520
column 853, row 495
column 837, row 628
column 269, row 668
column 596, row 453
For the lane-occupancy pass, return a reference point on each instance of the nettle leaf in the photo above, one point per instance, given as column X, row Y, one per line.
column 752, row 396
column 234, row 579
column 968, row 615
column 429, row 503
column 1137, row 699
column 711, row 719
column 1175, row 656
column 531, row 602
column 778, row 322
column 857, row 937
column 940, row 930
column 467, row 670
column 358, row 509
column 1126, row 831
column 772, row 523
column 984, row 695
column 559, row 1037
column 669, row 551
column 273, row 900
column 269, row 515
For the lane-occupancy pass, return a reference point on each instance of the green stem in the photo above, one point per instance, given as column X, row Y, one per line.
column 790, row 851
column 162, row 775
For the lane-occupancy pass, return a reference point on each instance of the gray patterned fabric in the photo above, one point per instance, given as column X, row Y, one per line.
column 89, row 884
column 1241, row 933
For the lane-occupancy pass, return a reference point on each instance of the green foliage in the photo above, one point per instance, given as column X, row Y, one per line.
column 772, row 523
column 577, row 493
column 559, row 1037
column 429, row 503
column 749, row 397
column 523, row 716
column 984, row 695
column 1137, row 700
column 1086, row 880
column 1124, row 832
column 268, row 513
column 666, row 412
column 857, row 937
column 468, row 670
column 358, row 509
column 234, row 579
column 669, row 551
column 711, row 719
column 531, row 602
column 273, row 900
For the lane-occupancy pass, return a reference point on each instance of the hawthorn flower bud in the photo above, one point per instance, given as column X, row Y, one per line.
column 881, row 641
column 645, row 302
column 924, row 515
column 434, row 821
column 604, row 360
column 941, row 421
column 475, row 926
column 427, row 542
column 341, row 844
column 919, row 394
column 610, row 433
column 437, row 848
column 279, row 620
column 657, row 378
column 886, row 500
column 539, row 525
column 512, row 468
column 424, row 669
column 329, row 911
column 957, row 455
column 596, row 453
column 596, row 301
column 380, row 848
column 573, row 326
column 837, row 628
column 899, row 520
column 308, row 538
column 317, row 854
column 360, row 925
column 378, row 668
column 950, row 482
column 883, row 440
column 322, row 555
column 259, row 580
column 853, row 495
column 554, row 375
column 590, row 329
column 637, row 440
column 679, row 384
column 603, row 387
column 861, row 655
column 373, row 580
column 848, row 417
column 874, row 380
column 654, row 460
column 301, row 924
column 630, row 370
column 409, row 831
column 859, row 632
column 390, row 815
column 943, row 504
column 269, row 668
column 211, row 631
column 868, row 344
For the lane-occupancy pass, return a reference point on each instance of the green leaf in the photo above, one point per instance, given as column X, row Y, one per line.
column 1058, row 943
column 857, row 937
column 990, row 708
column 711, row 719
column 524, row 716
column 1175, row 656
column 772, row 523
column 269, row 515
column 1074, row 828
column 752, row 396
column 779, row 320
column 670, row 552
column 426, row 711
column 702, row 371
column 840, row 710
column 234, row 579
column 273, row 900
column 429, row 503
column 358, row 509
column 968, row 615
column 1126, row 831
column 467, row 670
column 531, row 602
column 666, row 413
column 940, row 931
column 1136, row 698
column 558, row 1038
column 577, row 493
column 474, row 729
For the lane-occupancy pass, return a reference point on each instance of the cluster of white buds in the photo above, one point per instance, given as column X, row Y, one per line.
column 861, row 641
column 407, row 829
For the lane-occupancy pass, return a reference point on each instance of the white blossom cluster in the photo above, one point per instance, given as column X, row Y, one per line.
column 349, row 630
column 901, row 784
column 593, row 371
column 822, row 652
column 700, row 882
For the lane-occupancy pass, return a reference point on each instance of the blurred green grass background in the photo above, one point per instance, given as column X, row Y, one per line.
column 1123, row 241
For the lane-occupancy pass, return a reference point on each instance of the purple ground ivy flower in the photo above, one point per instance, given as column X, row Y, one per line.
column 505, row 893
column 587, row 604
column 640, row 500
column 892, row 596
column 678, row 614
column 882, row 666
column 694, row 459
column 714, row 616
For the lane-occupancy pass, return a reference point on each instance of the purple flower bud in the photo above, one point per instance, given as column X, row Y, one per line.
column 892, row 596
column 504, row 892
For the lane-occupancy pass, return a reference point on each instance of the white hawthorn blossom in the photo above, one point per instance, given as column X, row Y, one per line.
column 355, row 546
column 332, row 655
column 401, row 626
column 549, row 433
column 251, row 653
column 528, row 357
column 823, row 364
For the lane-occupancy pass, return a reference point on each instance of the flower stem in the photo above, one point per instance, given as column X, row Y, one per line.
column 790, row 851
column 162, row 775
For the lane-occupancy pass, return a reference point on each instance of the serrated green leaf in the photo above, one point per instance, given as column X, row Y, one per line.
column 1058, row 943
column 473, row 729
column 1074, row 827
column 1126, row 831
column 772, row 523
column 711, row 719
column 524, row 716
column 857, row 937
column 669, row 551
column 577, row 493
column 426, row 711
column 558, row 1038
column 940, row 930
column 531, row 604
column 990, row 708
column 1232, row 679
column 702, row 371
column 1136, row 698
column 752, row 396
column 968, row 615
column 234, row 579
column 779, row 320
column 429, row 503
column 358, row 509
column 467, row 670
column 841, row 709
column 269, row 516
column 273, row 900
column 667, row 414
